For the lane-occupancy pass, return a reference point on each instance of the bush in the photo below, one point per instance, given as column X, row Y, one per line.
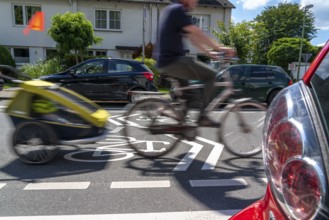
column 151, row 63
column 6, row 58
column 69, row 60
column 42, row 68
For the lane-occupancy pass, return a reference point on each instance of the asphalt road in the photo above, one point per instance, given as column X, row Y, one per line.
column 107, row 180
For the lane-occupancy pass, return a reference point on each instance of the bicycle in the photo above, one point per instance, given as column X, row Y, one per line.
column 169, row 122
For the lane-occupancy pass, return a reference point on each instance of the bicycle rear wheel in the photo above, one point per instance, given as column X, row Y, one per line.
column 241, row 128
column 145, row 122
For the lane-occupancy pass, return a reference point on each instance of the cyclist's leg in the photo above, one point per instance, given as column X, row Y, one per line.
column 189, row 68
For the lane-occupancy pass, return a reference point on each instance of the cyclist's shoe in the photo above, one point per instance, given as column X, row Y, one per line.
column 205, row 121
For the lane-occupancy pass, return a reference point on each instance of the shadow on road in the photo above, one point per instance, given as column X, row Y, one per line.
column 214, row 198
column 17, row 170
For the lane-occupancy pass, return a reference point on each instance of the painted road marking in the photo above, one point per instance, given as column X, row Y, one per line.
column 57, row 185
column 140, row 184
column 2, row 185
column 189, row 157
column 213, row 157
column 189, row 215
column 218, row 182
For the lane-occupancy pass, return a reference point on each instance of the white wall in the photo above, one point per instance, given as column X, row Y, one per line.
column 130, row 35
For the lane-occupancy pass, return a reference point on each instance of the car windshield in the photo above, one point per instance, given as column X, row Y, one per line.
column 320, row 85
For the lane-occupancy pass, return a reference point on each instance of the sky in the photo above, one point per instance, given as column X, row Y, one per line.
column 247, row 10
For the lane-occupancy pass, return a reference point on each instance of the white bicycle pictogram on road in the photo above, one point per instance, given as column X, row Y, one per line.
column 112, row 151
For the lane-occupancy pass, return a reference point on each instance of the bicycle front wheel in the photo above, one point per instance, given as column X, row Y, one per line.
column 241, row 128
column 146, row 122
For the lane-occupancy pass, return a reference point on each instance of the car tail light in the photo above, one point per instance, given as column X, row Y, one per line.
column 301, row 187
column 148, row 76
column 284, row 142
column 292, row 154
column 290, row 82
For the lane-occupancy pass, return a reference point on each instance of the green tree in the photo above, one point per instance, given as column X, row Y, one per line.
column 285, row 50
column 5, row 57
column 72, row 31
column 282, row 21
column 240, row 36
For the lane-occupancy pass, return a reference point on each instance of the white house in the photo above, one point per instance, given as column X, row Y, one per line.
column 123, row 24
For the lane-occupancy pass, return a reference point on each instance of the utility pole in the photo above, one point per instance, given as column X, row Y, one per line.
column 302, row 39
column 143, row 47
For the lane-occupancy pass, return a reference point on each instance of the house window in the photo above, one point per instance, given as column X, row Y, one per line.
column 107, row 20
column 97, row 53
column 202, row 21
column 21, row 55
column 23, row 13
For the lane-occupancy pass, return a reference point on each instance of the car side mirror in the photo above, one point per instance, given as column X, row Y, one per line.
column 72, row 72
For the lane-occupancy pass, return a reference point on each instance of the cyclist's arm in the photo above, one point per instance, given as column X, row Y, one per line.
column 203, row 42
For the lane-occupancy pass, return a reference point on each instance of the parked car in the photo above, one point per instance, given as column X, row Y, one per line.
column 106, row 79
column 296, row 150
column 260, row 82
column 2, row 84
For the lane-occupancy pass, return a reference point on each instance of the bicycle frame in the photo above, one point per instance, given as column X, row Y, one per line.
column 219, row 99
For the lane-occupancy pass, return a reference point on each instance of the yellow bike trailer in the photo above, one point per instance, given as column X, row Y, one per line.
column 46, row 115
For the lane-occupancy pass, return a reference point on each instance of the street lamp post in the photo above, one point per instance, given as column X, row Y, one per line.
column 301, row 42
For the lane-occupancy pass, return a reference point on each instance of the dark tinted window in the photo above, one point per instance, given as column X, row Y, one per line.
column 279, row 72
column 270, row 74
column 92, row 67
column 320, row 85
column 118, row 66
column 258, row 73
column 237, row 73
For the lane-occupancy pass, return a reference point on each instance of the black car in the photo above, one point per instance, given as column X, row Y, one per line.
column 106, row 79
column 256, row 81
column 2, row 84
column 260, row 82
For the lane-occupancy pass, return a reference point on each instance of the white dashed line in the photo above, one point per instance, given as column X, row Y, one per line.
column 57, row 185
column 218, row 182
column 189, row 215
column 140, row 184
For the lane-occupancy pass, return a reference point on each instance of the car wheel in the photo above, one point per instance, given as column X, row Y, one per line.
column 271, row 97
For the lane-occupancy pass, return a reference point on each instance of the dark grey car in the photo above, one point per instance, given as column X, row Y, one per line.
column 106, row 79
column 260, row 82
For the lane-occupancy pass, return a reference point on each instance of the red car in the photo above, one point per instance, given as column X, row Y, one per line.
column 296, row 150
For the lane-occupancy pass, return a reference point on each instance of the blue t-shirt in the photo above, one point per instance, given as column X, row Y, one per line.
column 170, row 42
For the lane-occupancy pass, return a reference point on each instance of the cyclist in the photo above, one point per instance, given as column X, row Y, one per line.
column 176, row 24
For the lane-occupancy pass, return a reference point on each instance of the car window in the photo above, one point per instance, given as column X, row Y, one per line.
column 270, row 74
column 237, row 73
column 90, row 68
column 117, row 66
column 320, row 85
column 279, row 72
column 258, row 73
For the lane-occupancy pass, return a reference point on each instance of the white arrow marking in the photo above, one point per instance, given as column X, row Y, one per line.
column 2, row 185
column 213, row 156
column 189, row 157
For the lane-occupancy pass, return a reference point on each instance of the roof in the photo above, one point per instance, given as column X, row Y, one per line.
column 214, row 3
column 218, row 3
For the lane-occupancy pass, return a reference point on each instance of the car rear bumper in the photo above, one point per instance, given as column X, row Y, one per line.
column 263, row 209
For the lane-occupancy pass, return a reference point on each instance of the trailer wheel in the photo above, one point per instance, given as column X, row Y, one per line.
column 35, row 142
